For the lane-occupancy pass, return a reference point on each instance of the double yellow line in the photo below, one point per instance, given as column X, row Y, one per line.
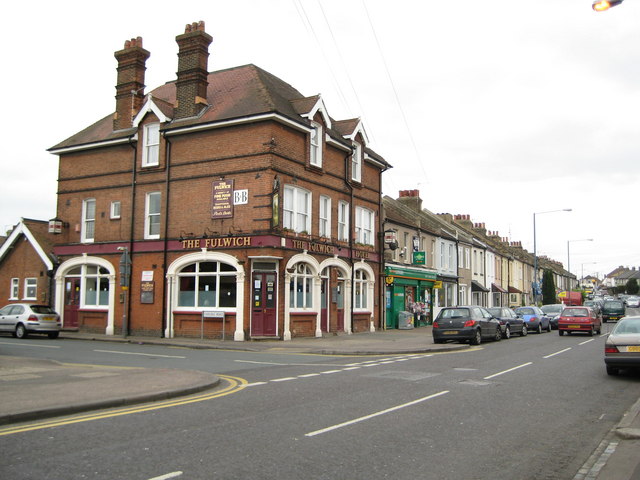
column 234, row 385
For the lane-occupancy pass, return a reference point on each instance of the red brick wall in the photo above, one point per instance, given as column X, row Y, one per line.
column 23, row 262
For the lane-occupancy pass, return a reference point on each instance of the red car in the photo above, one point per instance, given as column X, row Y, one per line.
column 579, row 319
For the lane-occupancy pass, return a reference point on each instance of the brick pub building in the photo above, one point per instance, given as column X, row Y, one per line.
column 245, row 210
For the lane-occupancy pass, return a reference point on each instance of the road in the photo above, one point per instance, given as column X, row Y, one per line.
column 526, row 408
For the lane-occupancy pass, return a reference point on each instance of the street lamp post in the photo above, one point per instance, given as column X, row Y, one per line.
column 535, row 253
column 569, row 260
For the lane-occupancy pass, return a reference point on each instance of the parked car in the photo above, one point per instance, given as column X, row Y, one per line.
column 579, row 319
column 553, row 311
column 21, row 319
column 633, row 302
column 534, row 319
column 510, row 323
column 622, row 348
column 466, row 324
column 613, row 310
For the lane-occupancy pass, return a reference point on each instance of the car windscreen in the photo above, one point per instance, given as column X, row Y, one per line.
column 494, row 311
column 614, row 304
column 454, row 313
column 525, row 311
column 575, row 312
column 551, row 308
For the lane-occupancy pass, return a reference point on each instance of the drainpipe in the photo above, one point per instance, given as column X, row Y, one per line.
column 351, row 232
column 134, row 172
column 166, row 234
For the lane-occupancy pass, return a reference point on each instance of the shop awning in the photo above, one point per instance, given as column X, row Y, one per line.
column 497, row 288
column 477, row 287
column 514, row 290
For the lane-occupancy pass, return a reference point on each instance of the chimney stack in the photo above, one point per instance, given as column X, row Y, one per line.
column 191, row 85
column 130, row 82
column 411, row 198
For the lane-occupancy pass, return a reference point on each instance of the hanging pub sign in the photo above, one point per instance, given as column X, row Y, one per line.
column 222, row 199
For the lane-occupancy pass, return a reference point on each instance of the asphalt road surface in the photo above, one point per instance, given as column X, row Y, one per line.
column 526, row 408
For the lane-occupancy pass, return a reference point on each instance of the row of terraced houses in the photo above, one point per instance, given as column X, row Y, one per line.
column 229, row 204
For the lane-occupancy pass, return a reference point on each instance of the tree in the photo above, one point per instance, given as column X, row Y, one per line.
column 632, row 287
column 548, row 288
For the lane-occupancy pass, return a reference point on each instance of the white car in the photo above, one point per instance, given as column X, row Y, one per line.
column 633, row 302
column 21, row 319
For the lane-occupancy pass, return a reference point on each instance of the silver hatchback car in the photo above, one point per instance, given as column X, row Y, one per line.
column 21, row 319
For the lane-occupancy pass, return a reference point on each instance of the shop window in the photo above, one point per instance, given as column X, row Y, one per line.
column 301, row 287
column 94, row 285
column 207, row 285
column 360, row 290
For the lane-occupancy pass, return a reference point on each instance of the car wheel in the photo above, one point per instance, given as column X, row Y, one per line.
column 549, row 327
column 53, row 335
column 21, row 331
column 612, row 370
column 498, row 336
column 477, row 338
column 539, row 329
column 524, row 331
column 507, row 332
column 605, row 320
column 560, row 332
column 591, row 332
column 438, row 340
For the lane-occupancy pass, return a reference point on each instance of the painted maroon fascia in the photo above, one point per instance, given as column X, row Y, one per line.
column 257, row 241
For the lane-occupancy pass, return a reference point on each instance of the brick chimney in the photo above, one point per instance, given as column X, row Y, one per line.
column 130, row 82
column 411, row 198
column 191, row 85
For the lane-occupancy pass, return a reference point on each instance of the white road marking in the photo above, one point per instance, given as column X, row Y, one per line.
column 368, row 417
column 586, row 341
column 255, row 384
column 283, row 379
column 307, row 375
column 507, row 371
column 167, row 476
column 16, row 344
column 330, row 371
column 141, row 354
column 558, row 353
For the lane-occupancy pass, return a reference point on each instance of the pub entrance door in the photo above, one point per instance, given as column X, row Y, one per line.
column 264, row 305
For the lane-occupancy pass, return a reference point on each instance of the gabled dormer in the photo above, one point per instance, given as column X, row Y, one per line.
column 314, row 109
column 150, row 131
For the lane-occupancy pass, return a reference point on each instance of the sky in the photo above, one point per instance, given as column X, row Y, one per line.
column 501, row 110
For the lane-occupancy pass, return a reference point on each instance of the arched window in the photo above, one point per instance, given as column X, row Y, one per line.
column 360, row 290
column 301, row 287
column 207, row 284
column 94, row 285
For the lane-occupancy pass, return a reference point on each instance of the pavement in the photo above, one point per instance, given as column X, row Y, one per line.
column 36, row 389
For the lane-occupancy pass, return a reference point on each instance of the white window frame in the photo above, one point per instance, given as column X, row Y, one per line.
column 302, row 279
column 88, row 229
column 115, row 210
column 356, row 162
column 324, row 225
column 94, row 276
column 150, row 216
column 151, row 145
column 365, row 226
column 15, row 289
column 343, row 221
column 30, row 288
column 315, row 140
column 360, row 290
column 296, row 209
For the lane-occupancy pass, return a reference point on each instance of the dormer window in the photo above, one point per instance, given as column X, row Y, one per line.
column 151, row 145
column 356, row 162
column 315, row 156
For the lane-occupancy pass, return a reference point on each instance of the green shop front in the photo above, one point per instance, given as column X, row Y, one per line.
column 409, row 290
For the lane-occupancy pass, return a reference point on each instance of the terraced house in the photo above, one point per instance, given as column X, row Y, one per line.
column 221, row 203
